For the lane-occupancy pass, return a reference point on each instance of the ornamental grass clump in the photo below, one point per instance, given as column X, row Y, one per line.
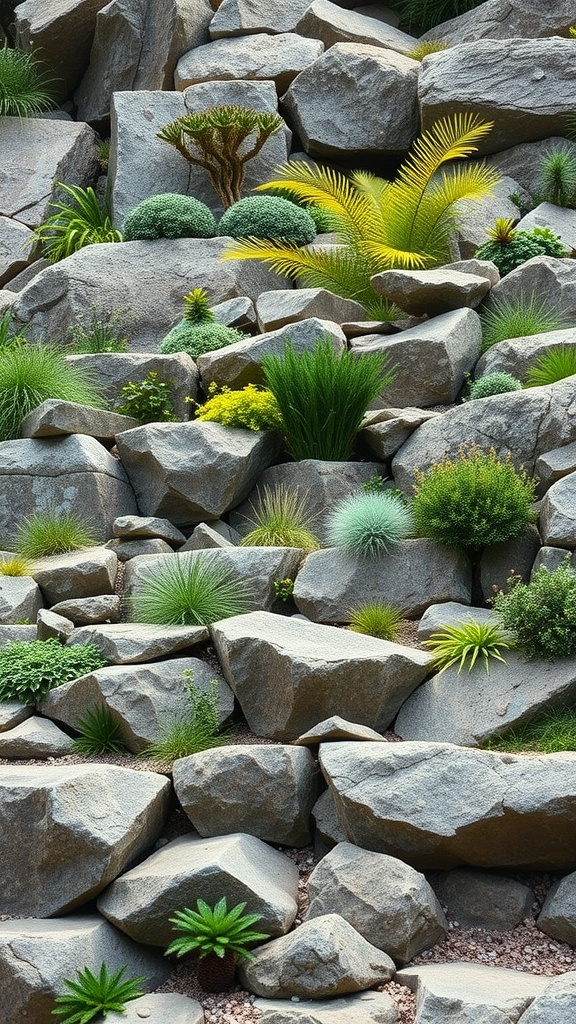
column 367, row 524
column 194, row 730
column 541, row 615
column 555, row 364
column 98, row 733
column 169, row 215
column 474, row 500
column 376, row 618
column 558, row 176
column 29, row 669
column 280, row 519
column 23, row 84
column 519, row 318
column 323, row 395
column 250, row 408
column 51, row 532
column 95, row 995
column 465, row 644
column 188, row 590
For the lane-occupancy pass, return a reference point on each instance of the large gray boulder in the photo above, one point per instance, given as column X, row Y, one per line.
column 289, row 674
column 463, row 992
column 260, row 57
column 62, row 473
column 192, row 472
column 36, row 955
column 558, row 513
column 127, row 643
column 243, row 17
column 361, row 1008
column 263, row 790
column 556, row 1004
column 330, row 23
column 475, row 78
column 323, row 958
column 517, row 355
column 20, row 598
column 86, row 573
column 388, row 902
column 77, row 850
column 355, row 100
column 141, row 901
column 506, row 19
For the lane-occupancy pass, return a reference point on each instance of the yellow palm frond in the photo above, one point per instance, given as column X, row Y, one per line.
column 374, row 190
column 384, row 257
column 329, row 189
column 437, row 217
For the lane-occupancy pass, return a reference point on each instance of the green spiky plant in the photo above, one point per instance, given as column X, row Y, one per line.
column 520, row 317
column 219, row 937
column 16, row 565
column 84, row 221
column 186, row 590
column 425, row 47
column 421, row 15
column 52, row 532
column 405, row 223
column 558, row 176
column 368, row 524
column 377, row 619
column 99, row 733
column 92, row 995
column 222, row 140
column 23, row 85
column 509, row 247
column 555, row 364
column 466, row 643
column 280, row 519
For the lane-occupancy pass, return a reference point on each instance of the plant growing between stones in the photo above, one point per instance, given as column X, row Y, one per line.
column 549, row 733
column 268, row 217
column 465, row 644
column 52, row 532
column 323, row 395
column 149, row 400
column 250, row 408
column 11, row 336
column 558, row 176
column 280, row 519
column 185, row 590
column 219, row 937
column 15, row 566
column 23, row 85
column 555, row 364
column 474, row 500
column 509, row 248
column 497, row 383
column 425, row 47
column 199, row 331
column 195, row 730
column 84, row 221
column 376, row 618
column 102, row 331
column 169, row 215
column 99, row 733
column 222, row 140
column 367, row 525
column 94, row 994
column 519, row 318
column 380, row 224
column 425, row 14
column 29, row 669
column 283, row 590
column 541, row 615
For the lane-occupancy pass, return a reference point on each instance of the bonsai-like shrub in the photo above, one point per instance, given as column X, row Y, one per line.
column 252, row 408
column 198, row 332
column 53, row 533
column 219, row 937
column 92, row 995
column 465, row 643
column 367, row 524
column 185, row 590
column 558, row 176
column 169, row 215
column 519, row 318
column 541, row 615
column 149, row 400
column 85, row 221
column 497, row 383
column 509, row 248
column 23, row 90
column 555, row 364
column 376, row 619
column 474, row 500
column 29, row 374
column 222, row 140
column 322, row 396
column 29, row 669
column 268, row 217
column 280, row 519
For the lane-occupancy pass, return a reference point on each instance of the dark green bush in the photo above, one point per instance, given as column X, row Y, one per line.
column 149, row 400
column 420, row 15
column 268, row 217
column 521, row 246
column 541, row 615
column 29, row 669
column 169, row 215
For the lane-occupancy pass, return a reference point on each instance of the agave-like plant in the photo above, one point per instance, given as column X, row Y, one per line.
column 85, row 221
column 381, row 224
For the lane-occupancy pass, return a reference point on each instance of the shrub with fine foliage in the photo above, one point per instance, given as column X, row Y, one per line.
column 185, row 590
column 541, row 615
column 497, row 383
column 268, row 217
column 251, row 407
column 367, row 524
column 29, row 669
column 169, row 215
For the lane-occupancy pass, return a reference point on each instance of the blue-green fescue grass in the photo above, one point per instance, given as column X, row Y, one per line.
column 99, row 733
column 323, row 395
column 519, row 318
column 53, row 533
column 555, row 364
column 280, row 519
column 29, row 374
column 95, row 995
column 185, row 590
column 23, row 85
column 465, row 644
column 367, row 524
column 550, row 733
column 376, row 619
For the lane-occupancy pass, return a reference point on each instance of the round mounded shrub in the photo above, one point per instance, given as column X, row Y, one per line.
column 169, row 215
column 496, row 383
column 195, row 339
column 367, row 524
column 268, row 217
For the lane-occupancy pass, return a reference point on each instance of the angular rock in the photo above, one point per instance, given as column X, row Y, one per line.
column 553, row 466
column 277, row 309
column 35, row 738
column 386, row 430
column 243, row 17
column 127, row 643
column 430, row 292
column 15, row 248
column 62, row 473
column 361, row 1008
column 329, row 830
column 431, row 360
column 561, row 220
column 542, row 275
column 523, row 162
column 141, row 900
column 468, row 992
column 87, row 573
column 240, row 364
column 336, row 728
column 412, row 575
column 556, row 1003
column 506, row 19
column 78, row 850
column 552, row 558
column 558, row 915
column 125, row 550
column 386, row 901
column 517, row 355
column 54, row 417
column 262, row 790
column 279, row 58
column 87, row 611
column 20, row 598
column 191, row 472
column 480, row 268
column 450, row 613
column 476, row 899
column 325, row 957
column 475, row 77
column 121, row 368
column 289, row 674
column 160, row 1007
column 473, row 216
column 50, row 624
column 355, row 100
column 238, row 313
column 558, row 514
column 497, row 561
column 12, row 713
column 328, row 22
column 141, row 700
column 450, row 806
column 204, row 536
column 148, row 526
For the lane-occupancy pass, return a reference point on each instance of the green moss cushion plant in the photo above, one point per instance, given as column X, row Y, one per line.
column 29, row 669
column 268, row 217
column 367, row 524
column 23, row 91
column 169, row 215
column 541, row 615
column 196, row 340
column 497, row 383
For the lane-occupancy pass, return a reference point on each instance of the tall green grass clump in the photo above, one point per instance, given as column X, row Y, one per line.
column 323, row 395
column 29, row 374
column 541, row 615
column 23, row 91
column 51, row 532
column 549, row 733
column 280, row 519
column 377, row 619
column 195, row 730
column 519, row 318
column 185, row 590
column 367, row 524
column 555, row 364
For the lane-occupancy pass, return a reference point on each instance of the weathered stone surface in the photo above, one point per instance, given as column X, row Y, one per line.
column 524, row 423
column 412, row 575
column 516, row 355
column 336, row 728
column 330, row 23
column 12, row 713
column 355, row 99
column 430, row 292
column 470, row 992
column 558, row 915
column 554, row 465
column 204, row 536
column 127, row 643
column 239, row 312
column 476, row 899
column 15, row 248
column 556, row 1003
column 450, row 613
column 258, row 57
column 289, row 674
column 148, row 526
column 121, row 368
column 386, row 430
column 63, row 474
column 558, row 513
column 542, row 275
column 561, row 220
column 523, row 163
column 243, row 17
column 497, row 561
column 277, row 308
column 506, row 19
column 360, row 1008
column 480, row 268
column 329, row 830
column 324, row 957
column 551, row 558
column 191, row 472
column 86, row 573
column 240, row 364
column 86, row 611
column 141, row 699
column 50, row 624
column 386, row 901
column 475, row 78
column 77, row 850
column 160, row 1007
column 35, row 955
column 430, row 360
column 450, row 805
column 141, row 900
column 17, row 632
column 127, row 549
column 34, row 738
column 35, row 153
column 54, row 417
column 20, row 598
column 259, row 789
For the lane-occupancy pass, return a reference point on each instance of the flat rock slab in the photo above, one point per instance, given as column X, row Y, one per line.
column 277, row 309
column 557, row 1003
column 78, row 849
column 290, row 674
column 435, row 805
column 262, row 56
column 464, row 992
column 337, row 728
column 360, row 1008
column 506, row 19
column 242, row 17
column 158, row 1008
column 482, row 899
column 431, row 292
column 87, row 611
column 148, row 526
column 53, row 418
column 35, row 738
column 12, row 713
column 143, row 899
column 330, row 23
column 127, row 643
column 86, row 573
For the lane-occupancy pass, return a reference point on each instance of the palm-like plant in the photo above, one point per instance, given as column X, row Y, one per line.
column 83, row 222
column 381, row 224
column 466, row 642
column 93, row 995
column 219, row 937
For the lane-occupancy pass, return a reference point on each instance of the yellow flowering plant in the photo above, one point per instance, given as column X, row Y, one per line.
column 251, row 407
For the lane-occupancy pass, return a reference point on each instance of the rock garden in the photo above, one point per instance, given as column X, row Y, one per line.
column 288, row 512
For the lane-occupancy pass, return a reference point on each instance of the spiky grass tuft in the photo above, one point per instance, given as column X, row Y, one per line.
column 186, row 590
column 555, row 364
column 53, row 533
column 550, row 733
column 558, row 176
column 376, row 619
column 23, row 91
column 15, row 566
column 280, row 519
column 366, row 525
column 83, row 221
column 519, row 318
column 465, row 643
column 192, row 732
column 99, row 733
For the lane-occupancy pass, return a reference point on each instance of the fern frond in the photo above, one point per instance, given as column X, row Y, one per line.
column 384, row 257
column 323, row 186
column 437, row 218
